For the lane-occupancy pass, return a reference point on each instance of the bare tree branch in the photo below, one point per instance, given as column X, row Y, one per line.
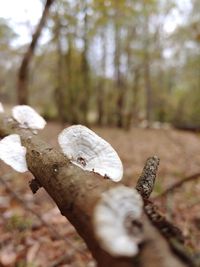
column 178, row 184
column 22, row 83
column 146, row 181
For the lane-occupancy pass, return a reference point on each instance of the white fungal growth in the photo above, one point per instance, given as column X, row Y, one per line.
column 90, row 152
column 28, row 117
column 13, row 153
column 117, row 221
column 1, row 108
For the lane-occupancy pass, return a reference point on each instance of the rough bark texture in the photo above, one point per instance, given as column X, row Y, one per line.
column 22, row 83
column 147, row 179
column 76, row 193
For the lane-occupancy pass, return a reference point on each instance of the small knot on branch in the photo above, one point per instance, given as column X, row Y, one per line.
column 34, row 185
column 146, row 181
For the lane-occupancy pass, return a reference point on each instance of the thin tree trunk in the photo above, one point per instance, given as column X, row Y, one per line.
column 72, row 103
column 59, row 95
column 132, row 116
column 101, row 85
column 22, row 82
column 148, row 89
column 85, row 92
column 136, row 94
column 118, row 76
column 100, row 102
column 133, row 75
column 147, row 74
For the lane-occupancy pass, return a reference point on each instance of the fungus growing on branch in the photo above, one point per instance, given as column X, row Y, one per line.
column 13, row 153
column 27, row 117
column 1, row 108
column 117, row 221
column 90, row 152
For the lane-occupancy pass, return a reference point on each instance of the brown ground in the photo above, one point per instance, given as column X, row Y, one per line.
column 26, row 241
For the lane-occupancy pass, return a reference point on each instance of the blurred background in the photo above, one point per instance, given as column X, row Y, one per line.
column 107, row 62
column 130, row 70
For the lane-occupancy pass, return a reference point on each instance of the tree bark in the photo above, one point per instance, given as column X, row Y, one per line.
column 148, row 89
column 147, row 73
column 101, row 84
column 117, row 68
column 59, row 91
column 76, row 193
column 85, row 69
column 22, row 82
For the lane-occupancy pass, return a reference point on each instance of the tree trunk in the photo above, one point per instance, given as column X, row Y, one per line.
column 85, row 70
column 133, row 73
column 59, row 94
column 101, row 84
column 132, row 116
column 148, row 90
column 22, row 82
column 118, row 76
column 147, row 74
column 135, row 113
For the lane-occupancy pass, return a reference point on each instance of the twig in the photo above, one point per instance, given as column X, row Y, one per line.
column 57, row 262
column 145, row 186
column 178, row 184
column 172, row 233
column 166, row 228
column 146, row 181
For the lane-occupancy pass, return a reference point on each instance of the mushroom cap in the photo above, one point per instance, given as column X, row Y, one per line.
column 28, row 117
column 90, row 152
column 1, row 108
column 13, row 153
column 117, row 220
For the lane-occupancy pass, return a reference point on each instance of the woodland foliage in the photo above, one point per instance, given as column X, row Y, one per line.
column 112, row 63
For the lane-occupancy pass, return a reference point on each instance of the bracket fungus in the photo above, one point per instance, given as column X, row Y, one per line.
column 13, row 153
column 90, row 152
column 117, row 221
column 27, row 117
column 1, row 108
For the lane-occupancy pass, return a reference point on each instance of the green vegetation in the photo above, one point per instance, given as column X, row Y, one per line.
column 113, row 63
column 17, row 222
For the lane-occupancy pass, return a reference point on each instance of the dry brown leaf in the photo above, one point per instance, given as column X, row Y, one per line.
column 32, row 252
column 8, row 256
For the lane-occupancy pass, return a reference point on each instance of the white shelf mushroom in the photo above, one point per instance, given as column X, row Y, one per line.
column 1, row 108
column 13, row 153
column 117, row 221
column 28, row 117
column 90, row 152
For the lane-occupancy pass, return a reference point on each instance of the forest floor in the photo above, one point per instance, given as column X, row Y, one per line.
column 34, row 234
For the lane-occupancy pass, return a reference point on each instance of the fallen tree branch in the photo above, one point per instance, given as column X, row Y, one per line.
column 178, row 184
column 76, row 193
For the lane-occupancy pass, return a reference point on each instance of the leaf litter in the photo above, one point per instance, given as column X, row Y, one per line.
column 25, row 240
